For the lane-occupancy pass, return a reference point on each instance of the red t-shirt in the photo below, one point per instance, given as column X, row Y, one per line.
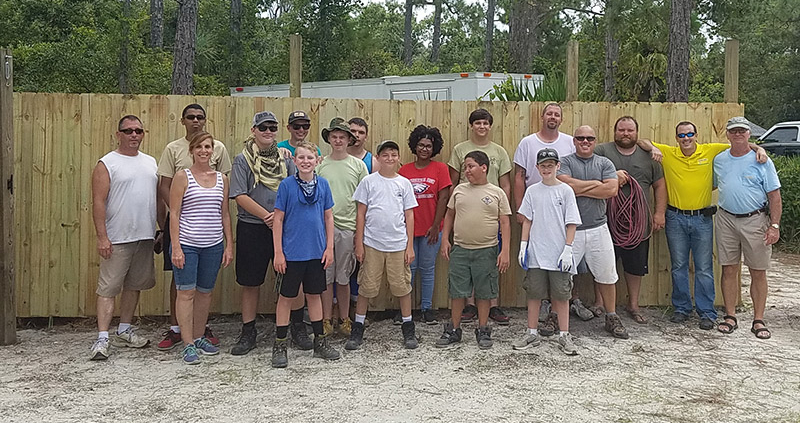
column 427, row 183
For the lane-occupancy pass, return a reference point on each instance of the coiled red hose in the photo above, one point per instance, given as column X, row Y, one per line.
column 629, row 217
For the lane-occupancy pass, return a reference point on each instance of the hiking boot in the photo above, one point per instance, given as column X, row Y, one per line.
column 323, row 350
column 678, row 317
column 190, row 355
column 469, row 313
column 327, row 328
column 170, row 341
column 246, row 341
column 578, row 309
column 99, row 349
column 356, row 337
column 484, row 337
column 706, row 323
column 409, row 338
column 614, row 327
column 345, row 326
column 544, row 310
column 568, row 344
column 550, row 325
column 450, row 337
column 279, row 358
column 129, row 338
column 526, row 341
column 300, row 338
column 498, row 316
column 210, row 336
column 429, row 317
column 397, row 320
column 204, row 346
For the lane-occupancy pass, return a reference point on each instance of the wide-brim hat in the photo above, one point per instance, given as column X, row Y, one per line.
column 337, row 124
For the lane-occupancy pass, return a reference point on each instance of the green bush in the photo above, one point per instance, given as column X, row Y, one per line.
column 789, row 173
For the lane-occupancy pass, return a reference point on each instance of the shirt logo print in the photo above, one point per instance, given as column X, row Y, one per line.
column 487, row 200
column 420, row 188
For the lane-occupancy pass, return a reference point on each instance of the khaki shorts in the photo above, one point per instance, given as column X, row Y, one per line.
column 372, row 269
column 130, row 268
column 344, row 258
column 542, row 284
column 742, row 235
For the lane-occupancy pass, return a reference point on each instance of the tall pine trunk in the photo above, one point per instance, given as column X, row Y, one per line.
column 611, row 49
column 236, row 43
column 437, row 30
column 124, row 62
column 185, row 44
column 524, row 38
column 489, row 57
column 156, row 23
column 407, row 33
column 678, row 57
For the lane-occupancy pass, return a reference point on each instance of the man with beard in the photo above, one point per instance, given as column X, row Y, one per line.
column 634, row 167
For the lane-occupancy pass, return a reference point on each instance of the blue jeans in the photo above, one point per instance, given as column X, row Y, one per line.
column 695, row 234
column 425, row 261
column 200, row 268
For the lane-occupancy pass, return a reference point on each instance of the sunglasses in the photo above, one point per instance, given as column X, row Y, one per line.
column 583, row 138
column 193, row 117
column 128, row 131
column 688, row 134
column 265, row 128
column 297, row 126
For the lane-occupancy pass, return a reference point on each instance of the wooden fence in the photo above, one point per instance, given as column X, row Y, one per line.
column 59, row 137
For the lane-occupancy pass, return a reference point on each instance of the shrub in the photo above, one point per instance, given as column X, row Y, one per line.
column 789, row 173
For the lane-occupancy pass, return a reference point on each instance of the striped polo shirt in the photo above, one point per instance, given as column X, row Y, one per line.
column 201, row 213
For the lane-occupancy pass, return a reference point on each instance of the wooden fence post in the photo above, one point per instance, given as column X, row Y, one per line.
column 572, row 70
column 731, row 71
column 8, row 312
column 295, row 65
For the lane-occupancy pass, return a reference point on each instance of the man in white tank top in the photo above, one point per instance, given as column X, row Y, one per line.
column 124, row 185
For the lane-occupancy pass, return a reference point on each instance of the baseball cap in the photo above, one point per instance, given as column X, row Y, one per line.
column 738, row 122
column 546, row 154
column 298, row 115
column 386, row 144
column 262, row 117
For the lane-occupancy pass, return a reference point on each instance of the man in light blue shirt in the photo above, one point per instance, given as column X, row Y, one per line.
column 748, row 223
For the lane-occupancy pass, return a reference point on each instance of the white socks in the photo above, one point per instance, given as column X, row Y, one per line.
column 123, row 327
column 533, row 331
column 176, row 329
column 407, row 318
column 360, row 318
column 102, row 335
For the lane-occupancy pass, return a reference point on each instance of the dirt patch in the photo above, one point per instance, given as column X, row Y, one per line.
column 664, row 373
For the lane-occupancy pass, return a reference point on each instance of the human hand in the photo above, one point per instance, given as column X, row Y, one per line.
column 178, row 260
column 445, row 248
column 268, row 219
column 359, row 251
column 104, row 247
column 761, row 155
column 772, row 235
column 659, row 220
column 279, row 262
column 503, row 261
column 433, row 235
column 327, row 258
column 227, row 256
column 409, row 256
column 622, row 177
column 656, row 154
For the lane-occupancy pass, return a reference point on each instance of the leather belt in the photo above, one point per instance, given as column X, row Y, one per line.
column 697, row 212
column 752, row 213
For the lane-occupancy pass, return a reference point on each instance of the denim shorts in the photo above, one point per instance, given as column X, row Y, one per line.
column 200, row 268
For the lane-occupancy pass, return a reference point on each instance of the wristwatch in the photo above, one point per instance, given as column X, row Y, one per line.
column 775, row 225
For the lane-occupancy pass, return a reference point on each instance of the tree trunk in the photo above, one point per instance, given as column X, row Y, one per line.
column 156, row 23
column 488, row 59
column 236, row 43
column 612, row 57
column 678, row 58
column 124, row 86
column 437, row 30
column 407, row 34
column 185, row 43
column 524, row 39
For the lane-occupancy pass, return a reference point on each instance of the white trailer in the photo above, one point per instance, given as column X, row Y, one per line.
column 445, row 86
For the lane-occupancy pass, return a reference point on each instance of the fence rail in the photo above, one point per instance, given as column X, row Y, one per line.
column 59, row 137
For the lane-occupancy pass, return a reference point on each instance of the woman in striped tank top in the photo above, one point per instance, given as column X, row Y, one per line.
column 198, row 203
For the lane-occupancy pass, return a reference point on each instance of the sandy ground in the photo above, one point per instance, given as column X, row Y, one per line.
column 664, row 373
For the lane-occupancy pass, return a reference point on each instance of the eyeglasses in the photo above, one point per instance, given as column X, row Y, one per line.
column 424, row 147
column 265, row 128
column 688, row 134
column 297, row 126
column 737, row 130
column 193, row 117
column 128, row 131
column 583, row 138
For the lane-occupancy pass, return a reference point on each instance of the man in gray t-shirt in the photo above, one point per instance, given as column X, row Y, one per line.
column 594, row 180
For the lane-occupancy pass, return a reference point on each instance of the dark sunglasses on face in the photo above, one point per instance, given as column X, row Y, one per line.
column 265, row 128
column 688, row 134
column 297, row 126
column 583, row 138
column 128, row 131
column 193, row 117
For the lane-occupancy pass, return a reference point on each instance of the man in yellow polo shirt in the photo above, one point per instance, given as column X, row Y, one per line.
column 688, row 170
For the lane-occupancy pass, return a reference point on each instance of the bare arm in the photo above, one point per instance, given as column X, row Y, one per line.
column 505, row 185
column 775, row 210
column 327, row 256
column 660, row 208
column 441, row 208
column 101, row 184
column 455, row 176
column 250, row 206
column 580, row 186
column 164, row 185
column 176, row 191
column 761, row 154
column 279, row 260
column 361, row 216
column 409, row 256
column 505, row 232
column 648, row 146
column 571, row 229
column 519, row 190
column 607, row 189
column 227, row 255
column 449, row 218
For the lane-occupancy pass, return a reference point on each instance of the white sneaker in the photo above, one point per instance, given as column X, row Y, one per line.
column 99, row 349
column 527, row 340
column 129, row 338
column 568, row 344
column 544, row 310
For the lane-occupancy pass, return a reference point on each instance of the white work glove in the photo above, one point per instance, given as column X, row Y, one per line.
column 565, row 260
column 523, row 255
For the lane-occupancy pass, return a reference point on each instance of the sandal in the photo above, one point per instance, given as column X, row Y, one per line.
column 637, row 316
column 758, row 331
column 597, row 310
column 726, row 327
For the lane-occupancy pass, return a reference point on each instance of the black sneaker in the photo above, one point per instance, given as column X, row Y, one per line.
column 409, row 338
column 279, row 358
column 678, row 317
column 469, row 313
column 246, row 342
column 300, row 338
column 356, row 337
column 397, row 320
column 498, row 316
column 429, row 317
column 484, row 337
column 706, row 323
column 450, row 338
column 323, row 350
